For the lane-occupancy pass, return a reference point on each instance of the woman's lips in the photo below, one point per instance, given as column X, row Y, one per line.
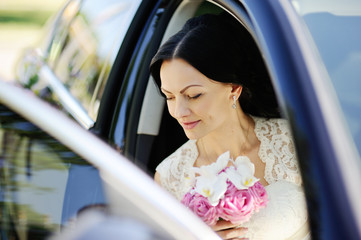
column 190, row 125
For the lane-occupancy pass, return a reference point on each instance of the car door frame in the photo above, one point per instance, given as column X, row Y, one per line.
column 306, row 98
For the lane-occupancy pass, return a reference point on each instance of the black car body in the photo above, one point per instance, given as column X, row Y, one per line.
column 111, row 93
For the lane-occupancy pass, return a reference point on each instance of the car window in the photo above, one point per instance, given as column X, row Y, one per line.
column 84, row 48
column 44, row 185
column 334, row 27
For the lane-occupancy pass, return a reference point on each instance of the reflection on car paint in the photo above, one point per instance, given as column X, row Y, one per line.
column 43, row 184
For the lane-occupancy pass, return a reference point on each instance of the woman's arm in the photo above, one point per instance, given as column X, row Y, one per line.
column 157, row 177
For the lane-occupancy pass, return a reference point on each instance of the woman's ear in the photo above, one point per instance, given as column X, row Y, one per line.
column 236, row 90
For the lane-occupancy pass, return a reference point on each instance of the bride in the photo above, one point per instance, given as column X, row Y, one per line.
column 218, row 89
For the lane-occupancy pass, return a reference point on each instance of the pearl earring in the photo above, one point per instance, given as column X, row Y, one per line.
column 234, row 102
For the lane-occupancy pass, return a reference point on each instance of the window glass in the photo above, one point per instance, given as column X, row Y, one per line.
column 84, row 50
column 335, row 28
column 43, row 185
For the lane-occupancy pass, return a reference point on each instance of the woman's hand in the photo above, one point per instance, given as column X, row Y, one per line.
column 228, row 230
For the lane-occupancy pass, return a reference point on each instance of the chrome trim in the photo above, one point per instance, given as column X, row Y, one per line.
column 149, row 201
column 340, row 139
column 66, row 99
column 237, row 12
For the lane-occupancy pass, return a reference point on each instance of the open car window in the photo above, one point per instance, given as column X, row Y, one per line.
column 155, row 122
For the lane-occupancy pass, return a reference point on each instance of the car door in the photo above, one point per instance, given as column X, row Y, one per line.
column 43, row 184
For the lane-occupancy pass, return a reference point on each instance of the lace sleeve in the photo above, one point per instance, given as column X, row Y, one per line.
column 277, row 150
column 174, row 170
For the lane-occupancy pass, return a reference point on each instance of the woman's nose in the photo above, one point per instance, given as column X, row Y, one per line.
column 181, row 109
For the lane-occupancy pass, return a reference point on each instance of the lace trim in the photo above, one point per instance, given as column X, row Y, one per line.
column 277, row 150
column 175, row 169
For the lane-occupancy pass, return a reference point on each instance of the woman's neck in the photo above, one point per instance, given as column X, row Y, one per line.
column 237, row 136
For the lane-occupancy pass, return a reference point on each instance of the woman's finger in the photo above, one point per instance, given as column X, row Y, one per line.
column 222, row 225
column 232, row 233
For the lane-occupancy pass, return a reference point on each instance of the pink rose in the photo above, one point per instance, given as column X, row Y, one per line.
column 187, row 199
column 236, row 207
column 231, row 189
column 202, row 208
column 259, row 195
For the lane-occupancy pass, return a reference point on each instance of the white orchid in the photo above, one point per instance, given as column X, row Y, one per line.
column 242, row 174
column 210, row 182
column 212, row 187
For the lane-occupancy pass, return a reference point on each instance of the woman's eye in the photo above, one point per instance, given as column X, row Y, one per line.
column 169, row 98
column 195, row 97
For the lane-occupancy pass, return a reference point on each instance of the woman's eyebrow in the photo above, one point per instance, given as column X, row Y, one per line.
column 194, row 85
column 183, row 90
column 163, row 90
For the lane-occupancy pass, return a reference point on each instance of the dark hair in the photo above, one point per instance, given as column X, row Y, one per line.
column 223, row 50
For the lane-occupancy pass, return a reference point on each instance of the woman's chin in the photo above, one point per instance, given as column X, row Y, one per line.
column 190, row 135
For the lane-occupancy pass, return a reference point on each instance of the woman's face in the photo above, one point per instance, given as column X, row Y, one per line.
column 200, row 105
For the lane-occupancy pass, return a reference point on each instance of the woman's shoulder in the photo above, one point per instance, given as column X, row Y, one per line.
column 277, row 150
column 271, row 126
column 173, row 170
column 273, row 129
column 187, row 153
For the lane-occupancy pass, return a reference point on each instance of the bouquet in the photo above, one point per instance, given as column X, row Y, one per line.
column 229, row 193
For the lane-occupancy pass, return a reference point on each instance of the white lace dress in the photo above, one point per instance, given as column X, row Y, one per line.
column 285, row 216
